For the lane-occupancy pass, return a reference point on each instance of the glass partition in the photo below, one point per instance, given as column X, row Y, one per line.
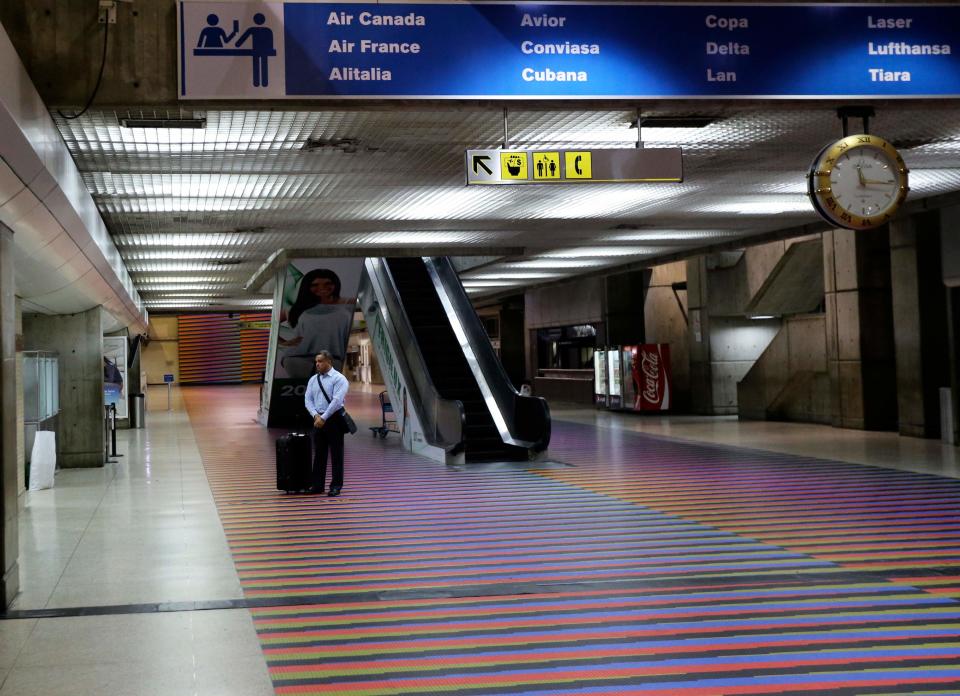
column 41, row 386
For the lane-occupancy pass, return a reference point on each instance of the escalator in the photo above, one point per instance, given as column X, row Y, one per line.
column 498, row 423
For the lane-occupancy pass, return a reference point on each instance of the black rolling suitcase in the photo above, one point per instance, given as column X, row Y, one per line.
column 294, row 463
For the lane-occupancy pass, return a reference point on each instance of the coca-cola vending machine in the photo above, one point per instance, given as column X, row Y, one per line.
column 600, row 377
column 649, row 384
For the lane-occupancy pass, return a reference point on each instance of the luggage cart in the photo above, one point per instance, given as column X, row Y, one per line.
column 388, row 424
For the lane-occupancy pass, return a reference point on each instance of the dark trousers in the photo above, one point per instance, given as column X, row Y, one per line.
column 329, row 438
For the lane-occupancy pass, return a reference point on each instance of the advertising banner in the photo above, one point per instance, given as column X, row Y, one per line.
column 115, row 373
column 462, row 50
column 651, row 377
column 316, row 313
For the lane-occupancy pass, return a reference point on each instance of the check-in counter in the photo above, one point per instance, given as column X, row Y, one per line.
column 574, row 386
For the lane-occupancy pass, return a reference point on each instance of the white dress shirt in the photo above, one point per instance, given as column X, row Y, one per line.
column 336, row 386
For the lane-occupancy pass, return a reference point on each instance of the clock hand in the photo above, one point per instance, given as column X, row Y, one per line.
column 873, row 181
column 860, row 175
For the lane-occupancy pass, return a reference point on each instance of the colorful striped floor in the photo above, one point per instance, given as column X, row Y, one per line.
column 645, row 565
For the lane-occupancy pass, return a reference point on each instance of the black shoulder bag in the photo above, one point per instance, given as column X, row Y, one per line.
column 347, row 418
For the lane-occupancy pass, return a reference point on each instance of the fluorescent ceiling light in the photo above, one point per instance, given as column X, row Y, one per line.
column 150, row 239
column 655, row 129
column 654, row 235
column 199, row 204
column 177, row 279
column 183, row 295
column 667, row 122
column 650, row 134
column 135, row 266
column 554, row 263
column 180, row 287
column 601, row 252
column 934, row 180
column 249, row 301
column 225, row 132
column 763, row 316
column 427, row 237
column 207, row 185
column 608, row 201
column 177, row 303
column 625, row 137
column 174, row 254
column 439, row 205
column 468, row 283
column 514, row 276
column 163, row 122
column 772, row 206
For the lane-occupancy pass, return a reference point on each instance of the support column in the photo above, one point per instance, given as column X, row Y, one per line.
column 860, row 345
column 920, row 323
column 78, row 338
column 9, row 544
column 698, row 316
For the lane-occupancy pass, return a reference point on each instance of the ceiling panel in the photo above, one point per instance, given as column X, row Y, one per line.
column 195, row 211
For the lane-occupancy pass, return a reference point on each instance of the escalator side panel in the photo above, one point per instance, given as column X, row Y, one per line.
column 446, row 361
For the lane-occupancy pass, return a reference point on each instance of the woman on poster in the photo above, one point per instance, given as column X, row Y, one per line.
column 321, row 320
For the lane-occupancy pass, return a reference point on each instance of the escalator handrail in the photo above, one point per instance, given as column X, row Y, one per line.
column 442, row 420
column 523, row 421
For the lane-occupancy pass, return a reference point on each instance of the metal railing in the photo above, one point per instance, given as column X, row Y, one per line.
column 523, row 421
column 442, row 420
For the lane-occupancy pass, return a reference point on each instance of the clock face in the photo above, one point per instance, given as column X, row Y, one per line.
column 865, row 181
column 858, row 182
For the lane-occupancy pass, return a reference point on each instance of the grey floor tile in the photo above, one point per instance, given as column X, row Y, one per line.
column 13, row 636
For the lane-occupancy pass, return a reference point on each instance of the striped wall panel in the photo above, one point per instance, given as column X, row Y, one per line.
column 214, row 349
column 254, row 343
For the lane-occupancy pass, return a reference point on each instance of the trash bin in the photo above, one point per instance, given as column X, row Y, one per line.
column 138, row 411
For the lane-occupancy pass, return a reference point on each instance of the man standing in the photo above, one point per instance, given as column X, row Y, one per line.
column 326, row 391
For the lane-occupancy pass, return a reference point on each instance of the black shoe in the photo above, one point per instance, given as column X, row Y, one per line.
column 314, row 490
column 333, row 492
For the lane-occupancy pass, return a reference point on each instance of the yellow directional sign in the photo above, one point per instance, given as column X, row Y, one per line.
column 546, row 165
column 579, row 165
column 513, row 164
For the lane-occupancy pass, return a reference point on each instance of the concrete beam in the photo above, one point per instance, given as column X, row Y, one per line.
column 66, row 259
column 280, row 258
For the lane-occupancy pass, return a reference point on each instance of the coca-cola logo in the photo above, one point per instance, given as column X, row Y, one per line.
column 650, row 369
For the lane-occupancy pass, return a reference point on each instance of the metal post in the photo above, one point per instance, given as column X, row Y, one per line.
column 169, row 401
column 639, row 139
column 106, row 435
column 506, row 135
column 113, row 430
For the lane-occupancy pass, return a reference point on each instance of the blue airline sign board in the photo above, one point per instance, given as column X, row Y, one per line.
column 306, row 50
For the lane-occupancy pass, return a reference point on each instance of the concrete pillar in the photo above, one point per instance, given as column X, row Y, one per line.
column 78, row 339
column 9, row 544
column 698, row 316
column 860, row 346
column 920, row 322
column 906, row 303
